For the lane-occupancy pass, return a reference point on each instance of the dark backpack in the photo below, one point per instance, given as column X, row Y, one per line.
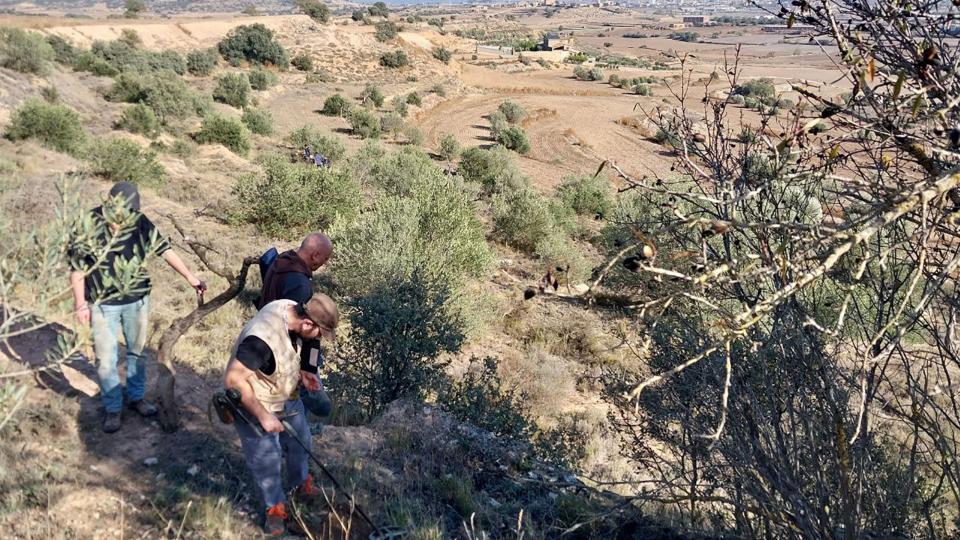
column 267, row 260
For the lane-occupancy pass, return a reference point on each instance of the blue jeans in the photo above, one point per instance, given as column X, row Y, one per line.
column 265, row 455
column 107, row 323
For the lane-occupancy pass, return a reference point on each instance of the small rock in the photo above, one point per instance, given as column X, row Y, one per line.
column 193, row 470
column 150, row 461
column 94, row 468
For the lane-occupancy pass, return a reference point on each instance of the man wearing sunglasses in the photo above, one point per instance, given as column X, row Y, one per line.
column 266, row 368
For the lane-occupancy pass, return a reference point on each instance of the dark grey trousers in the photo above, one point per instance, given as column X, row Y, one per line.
column 267, row 455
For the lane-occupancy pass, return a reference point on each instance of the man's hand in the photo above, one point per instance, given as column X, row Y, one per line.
column 83, row 314
column 270, row 423
column 310, row 381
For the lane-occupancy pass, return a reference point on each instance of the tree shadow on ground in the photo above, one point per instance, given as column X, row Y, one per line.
column 199, row 465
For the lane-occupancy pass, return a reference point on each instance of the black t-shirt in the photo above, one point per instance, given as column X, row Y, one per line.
column 254, row 354
column 100, row 284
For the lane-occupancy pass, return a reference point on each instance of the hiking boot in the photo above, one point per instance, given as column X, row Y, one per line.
column 307, row 491
column 111, row 422
column 276, row 522
column 143, row 407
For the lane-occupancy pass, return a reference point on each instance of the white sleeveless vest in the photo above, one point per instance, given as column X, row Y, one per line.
column 270, row 325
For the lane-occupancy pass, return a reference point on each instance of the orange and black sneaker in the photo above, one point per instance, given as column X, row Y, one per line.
column 307, row 491
column 276, row 522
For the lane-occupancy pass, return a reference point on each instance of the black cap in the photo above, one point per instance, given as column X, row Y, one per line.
column 129, row 192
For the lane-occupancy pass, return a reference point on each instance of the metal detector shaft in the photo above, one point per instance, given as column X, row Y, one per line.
column 293, row 435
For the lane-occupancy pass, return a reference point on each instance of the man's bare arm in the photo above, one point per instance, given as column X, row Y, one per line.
column 80, row 305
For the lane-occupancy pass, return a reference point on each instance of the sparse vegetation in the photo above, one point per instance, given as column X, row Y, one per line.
column 492, row 169
column 585, row 74
column 302, row 62
column 692, row 37
column 230, row 132
column 165, row 93
column 442, row 54
column 55, row 126
column 413, row 98
column 23, row 51
column 232, row 89
column 118, row 159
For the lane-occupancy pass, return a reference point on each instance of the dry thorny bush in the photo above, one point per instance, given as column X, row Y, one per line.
column 795, row 292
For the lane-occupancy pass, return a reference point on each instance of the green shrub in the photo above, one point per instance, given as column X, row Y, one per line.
column 232, row 89
column 413, row 134
column 258, row 121
column 493, row 169
column 183, row 149
column 692, row 37
column 439, row 90
column 314, row 9
column 424, row 220
column 759, row 89
column 449, row 147
column 481, row 398
column 202, row 62
column 63, row 51
column 23, row 51
column 666, row 138
column 413, row 98
column 614, row 80
column 133, row 8
column 442, row 54
column 335, row 105
column 230, row 132
column 586, row 195
column 584, row 74
column 50, row 94
column 364, row 124
column 371, row 96
column 400, row 106
column 253, row 43
column 122, row 56
column 391, row 123
column 87, row 61
column 385, row 31
column 395, row 59
column 165, row 93
column 557, row 250
column 514, row 138
column 358, row 15
column 303, row 62
column 261, row 78
column 521, row 218
column 288, row 199
column 55, row 126
column 498, row 123
column 130, row 37
column 329, row 146
column 119, row 159
column 379, row 9
column 512, row 111
column 140, row 119
column 642, row 90
column 401, row 335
